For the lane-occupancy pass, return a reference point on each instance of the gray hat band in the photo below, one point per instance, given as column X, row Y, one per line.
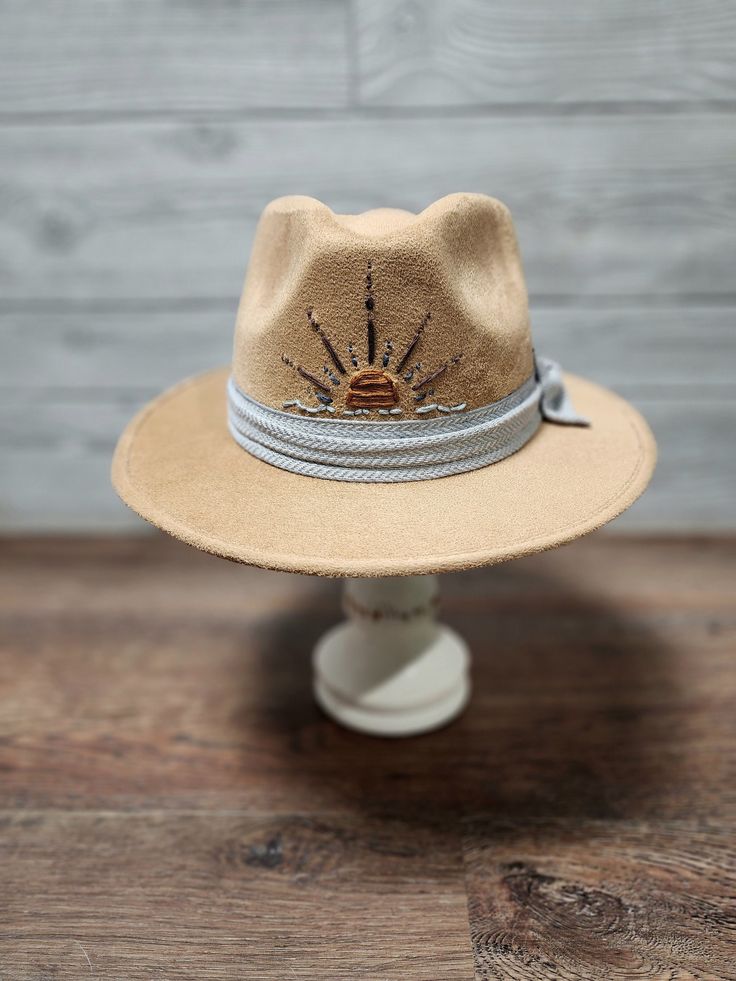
column 399, row 451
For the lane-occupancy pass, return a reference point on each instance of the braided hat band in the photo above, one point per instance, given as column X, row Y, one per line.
column 393, row 452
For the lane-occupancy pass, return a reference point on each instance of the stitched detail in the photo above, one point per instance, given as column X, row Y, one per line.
column 412, row 344
column 372, row 388
column 326, row 341
column 440, row 408
column 308, row 376
column 370, row 305
column 436, row 374
column 308, row 408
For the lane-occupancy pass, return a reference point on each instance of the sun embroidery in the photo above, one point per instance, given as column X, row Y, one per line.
column 371, row 388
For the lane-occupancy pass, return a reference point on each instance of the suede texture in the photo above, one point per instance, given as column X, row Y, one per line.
column 457, row 261
column 303, row 308
column 178, row 466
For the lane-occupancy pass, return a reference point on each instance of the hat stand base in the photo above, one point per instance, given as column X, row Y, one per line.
column 390, row 669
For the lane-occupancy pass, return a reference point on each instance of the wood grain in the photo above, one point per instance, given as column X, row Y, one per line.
column 154, row 56
column 161, row 57
column 172, row 804
column 587, row 900
column 605, row 206
column 472, row 52
column 211, row 896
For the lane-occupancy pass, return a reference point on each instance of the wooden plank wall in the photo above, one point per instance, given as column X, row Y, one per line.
column 141, row 138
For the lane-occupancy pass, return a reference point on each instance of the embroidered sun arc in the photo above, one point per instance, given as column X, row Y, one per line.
column 376, row 382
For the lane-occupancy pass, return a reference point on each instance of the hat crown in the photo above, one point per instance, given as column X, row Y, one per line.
column 383, row 314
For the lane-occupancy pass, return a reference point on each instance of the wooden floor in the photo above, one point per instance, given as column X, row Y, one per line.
column 174, row 806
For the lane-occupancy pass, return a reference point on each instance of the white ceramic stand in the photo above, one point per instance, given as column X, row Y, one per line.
column 391, row 669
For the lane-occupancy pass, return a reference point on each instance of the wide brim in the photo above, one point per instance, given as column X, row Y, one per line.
column 178, row 466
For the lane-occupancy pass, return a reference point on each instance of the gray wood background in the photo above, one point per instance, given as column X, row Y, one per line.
column 139, row 140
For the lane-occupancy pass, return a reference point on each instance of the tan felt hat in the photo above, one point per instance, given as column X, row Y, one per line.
column 385, row 413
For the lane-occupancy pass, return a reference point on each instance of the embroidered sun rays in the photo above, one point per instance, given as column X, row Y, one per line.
column 372, row 377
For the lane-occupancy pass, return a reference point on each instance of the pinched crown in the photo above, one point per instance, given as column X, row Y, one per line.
column 385, row 315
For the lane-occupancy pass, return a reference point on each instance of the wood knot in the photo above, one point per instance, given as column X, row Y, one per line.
column 266, row 855
column 571, row 905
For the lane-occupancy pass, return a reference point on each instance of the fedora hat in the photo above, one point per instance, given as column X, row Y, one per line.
column 385, row 412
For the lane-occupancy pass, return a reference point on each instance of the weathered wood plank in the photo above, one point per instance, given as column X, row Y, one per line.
column 604, row 205
column 57, row 452
column 157, row 57
column 137, row 896
column 640, row 351
column 692, row 442
column 152, row 56
column 175, row 806
column 598, row 900
column 96, row 352
column 146, row 675
column 58, row 474
column 472, row 52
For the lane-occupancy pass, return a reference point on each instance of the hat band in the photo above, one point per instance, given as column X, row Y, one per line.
column 392, row 452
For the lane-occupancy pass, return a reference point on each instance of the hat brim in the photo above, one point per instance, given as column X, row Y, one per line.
column 178, row 466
